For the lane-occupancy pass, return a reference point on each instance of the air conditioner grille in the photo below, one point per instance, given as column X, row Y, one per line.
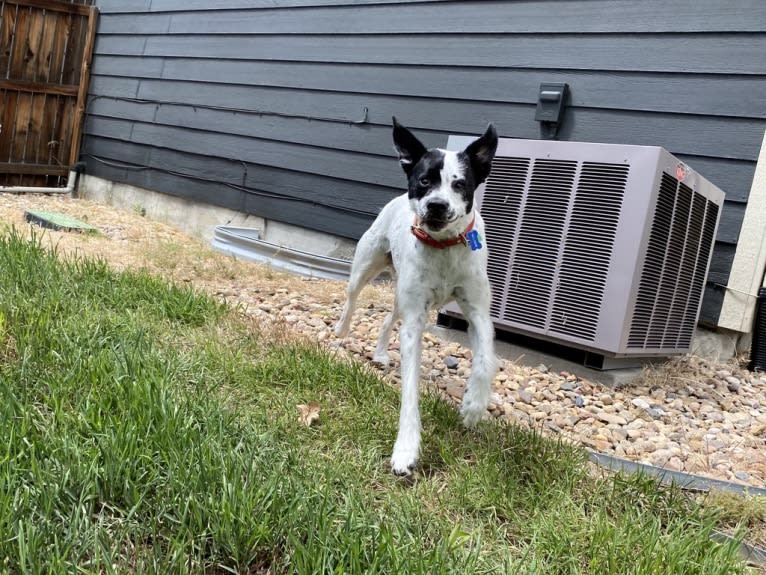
column 651, row 275
column 588, row 249
column 540, row 234
column 674, row 268
column 682, row 258
column 500, row 210
column 604, row 247
column 707, row 235
column 695, row 262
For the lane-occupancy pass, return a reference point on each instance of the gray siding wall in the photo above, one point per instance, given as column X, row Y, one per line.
column 283, row 108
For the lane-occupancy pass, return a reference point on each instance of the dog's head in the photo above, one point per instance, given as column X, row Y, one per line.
column 442, row 183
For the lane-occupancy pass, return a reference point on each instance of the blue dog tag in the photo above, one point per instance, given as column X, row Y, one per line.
column 474, row 240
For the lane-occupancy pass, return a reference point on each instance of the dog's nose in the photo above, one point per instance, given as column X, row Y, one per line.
column 437, row 209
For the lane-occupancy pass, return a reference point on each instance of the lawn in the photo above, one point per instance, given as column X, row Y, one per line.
column 151, row 429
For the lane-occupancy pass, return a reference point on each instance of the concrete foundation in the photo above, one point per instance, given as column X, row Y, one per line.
column 199, row 219
column 718, row 346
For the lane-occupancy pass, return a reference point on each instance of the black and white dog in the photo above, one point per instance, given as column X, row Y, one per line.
column 433, row 235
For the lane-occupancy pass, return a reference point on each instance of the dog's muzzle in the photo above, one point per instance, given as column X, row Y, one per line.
column 438, row 214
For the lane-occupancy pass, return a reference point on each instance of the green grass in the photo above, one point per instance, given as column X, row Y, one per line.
column 148, row 429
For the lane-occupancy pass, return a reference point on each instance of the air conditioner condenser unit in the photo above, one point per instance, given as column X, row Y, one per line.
column 600, row 247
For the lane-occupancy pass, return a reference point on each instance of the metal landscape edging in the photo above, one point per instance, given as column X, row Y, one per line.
column 245, row 243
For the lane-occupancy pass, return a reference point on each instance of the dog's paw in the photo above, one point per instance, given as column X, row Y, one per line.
column 471, row 413
column 403, row 461
column 341, row 330
column 403, row 469
column 381, row 359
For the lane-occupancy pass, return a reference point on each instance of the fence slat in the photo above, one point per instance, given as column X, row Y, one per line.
column 79, row 112
column 33, row 169
column 39, row 87
column 52, row 5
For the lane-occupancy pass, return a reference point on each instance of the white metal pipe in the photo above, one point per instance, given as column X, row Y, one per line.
column 71, row 185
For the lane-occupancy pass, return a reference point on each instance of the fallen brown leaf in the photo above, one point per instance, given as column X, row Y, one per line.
column 308, row 413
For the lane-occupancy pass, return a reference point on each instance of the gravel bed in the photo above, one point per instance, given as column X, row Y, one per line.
column 686, row 415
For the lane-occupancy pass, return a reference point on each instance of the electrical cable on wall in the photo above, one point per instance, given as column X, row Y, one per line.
column 241, row 188
column 255, row 112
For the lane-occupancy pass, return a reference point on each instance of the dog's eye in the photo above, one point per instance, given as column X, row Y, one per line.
column 459, row 185
column 424, row 182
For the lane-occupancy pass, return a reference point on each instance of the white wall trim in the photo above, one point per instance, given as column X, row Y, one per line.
column 747, row 270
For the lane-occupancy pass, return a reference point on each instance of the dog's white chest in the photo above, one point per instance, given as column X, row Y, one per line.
column 425, row 274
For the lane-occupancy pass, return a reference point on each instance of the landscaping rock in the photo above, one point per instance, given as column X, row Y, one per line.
column 641, row 403
column 451, row 362
column 610, row 418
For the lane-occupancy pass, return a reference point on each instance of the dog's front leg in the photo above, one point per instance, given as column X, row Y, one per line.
column 407, row 446
column 484, row 365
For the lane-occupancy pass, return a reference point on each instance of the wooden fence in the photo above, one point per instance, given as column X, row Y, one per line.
column 45, row 54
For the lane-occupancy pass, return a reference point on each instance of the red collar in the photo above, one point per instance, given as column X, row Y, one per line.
column 423, row 236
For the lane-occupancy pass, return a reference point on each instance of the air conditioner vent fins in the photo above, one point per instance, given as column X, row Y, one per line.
column 674, row 269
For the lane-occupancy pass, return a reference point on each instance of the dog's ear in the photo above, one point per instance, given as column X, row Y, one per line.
column 408, row 147
column 481, row 152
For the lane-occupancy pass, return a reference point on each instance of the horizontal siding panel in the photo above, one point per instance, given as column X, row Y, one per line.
column 141, row 23
column 114, row 128
column 729, row 227
column 712, row 301
column 113, row 87
column 309, row 215
column 173, row 131
column 676, row 133
column 734, row 176
column 313, row 217
column 108, row 107
column 720, row 263
column 682, row 53
column 475, row 17
column 122, row 6
column 346, row 195
column 616, row 90
column 118, row 152
column 323, row 161
column 117, row 6
column 732, row 138
column 367, row 139
column 132, row 66
column 118, row 45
